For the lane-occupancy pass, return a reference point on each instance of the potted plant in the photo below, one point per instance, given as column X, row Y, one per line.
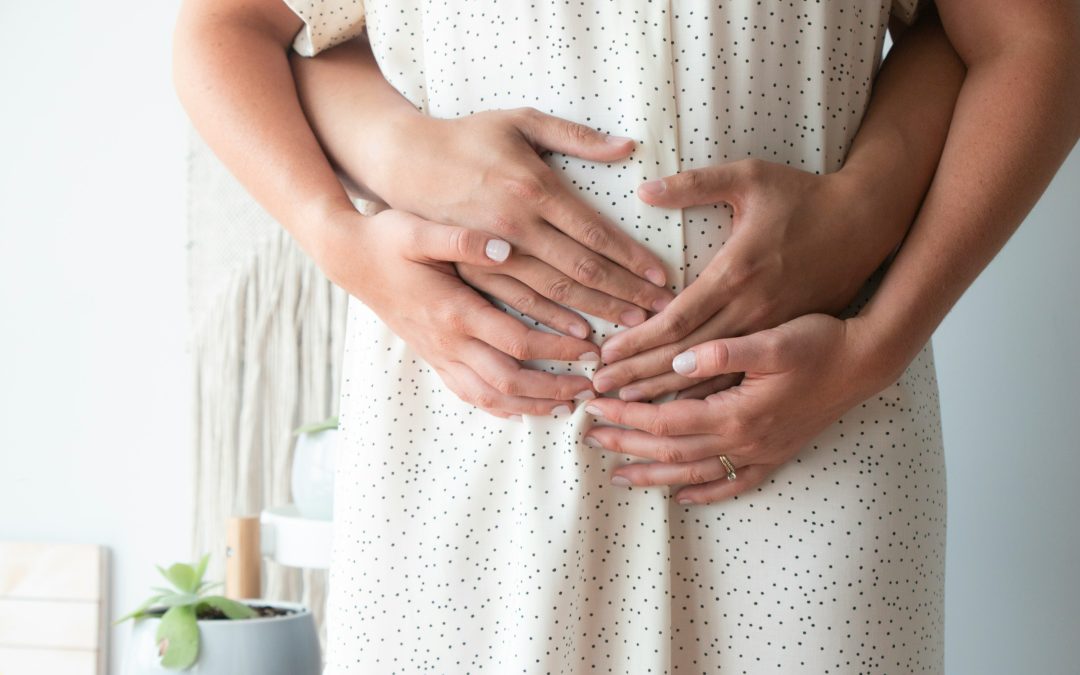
column 183, row 627
column 313, row 469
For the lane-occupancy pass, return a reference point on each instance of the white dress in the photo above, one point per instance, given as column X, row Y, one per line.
column 465, row 543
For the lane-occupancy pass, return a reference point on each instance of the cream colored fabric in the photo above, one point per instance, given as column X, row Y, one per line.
column 326, row 23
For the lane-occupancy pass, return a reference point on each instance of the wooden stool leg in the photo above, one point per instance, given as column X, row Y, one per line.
column 243, row 558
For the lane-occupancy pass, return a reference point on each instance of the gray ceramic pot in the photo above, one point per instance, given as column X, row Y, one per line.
column 283, row 645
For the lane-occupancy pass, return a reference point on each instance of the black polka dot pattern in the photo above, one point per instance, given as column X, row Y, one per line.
column 469, row 544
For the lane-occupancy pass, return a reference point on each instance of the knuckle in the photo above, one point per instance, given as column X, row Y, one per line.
column 589, row 271
column 675, row 326
column 752, row 168
column 483, row 399
column 576, row 133
column 559, row 289
column 524, row 303
column 695, row 475
column 595, row 237
column 516, row 348
column 737, row 274
column 530, row 189
column 670, row 454
column 505, row 226
column 503, row 384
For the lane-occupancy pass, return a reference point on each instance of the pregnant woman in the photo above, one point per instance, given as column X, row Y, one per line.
column 493, row 510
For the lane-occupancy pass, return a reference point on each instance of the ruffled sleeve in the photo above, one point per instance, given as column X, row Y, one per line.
column 326, row 23
column 908, row 10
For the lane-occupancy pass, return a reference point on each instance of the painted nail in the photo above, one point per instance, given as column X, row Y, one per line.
column 589, row 356
column 616, row 140
column 561, row 410
column 653, row 187
column 684, row 363
column 660, row 304
column 584, row 395
column 656, row 276
column 621, row 481
column 594, row 411
column 497, row 249
column 517, row 418
column 630, row 394
column 685, row 500
column 592, row 442
column 580, row 332
column 632, row 317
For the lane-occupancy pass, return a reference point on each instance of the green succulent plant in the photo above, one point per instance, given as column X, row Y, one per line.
column 178, row 633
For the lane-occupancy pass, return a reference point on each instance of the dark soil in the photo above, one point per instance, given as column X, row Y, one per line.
column 207, row 613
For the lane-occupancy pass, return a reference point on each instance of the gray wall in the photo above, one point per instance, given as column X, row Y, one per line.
column 1008, row 359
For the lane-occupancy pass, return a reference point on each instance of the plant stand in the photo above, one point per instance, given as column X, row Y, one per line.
column 279, row 533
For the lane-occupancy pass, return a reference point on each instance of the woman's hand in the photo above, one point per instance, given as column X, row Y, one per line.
column 801, row 243
column 485, row 171
column 799, row 380
column 401, row 266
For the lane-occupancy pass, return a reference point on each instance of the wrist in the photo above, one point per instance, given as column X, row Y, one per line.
column 881, row 352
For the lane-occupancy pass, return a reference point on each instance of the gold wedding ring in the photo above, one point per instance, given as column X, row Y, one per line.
column 728, row 466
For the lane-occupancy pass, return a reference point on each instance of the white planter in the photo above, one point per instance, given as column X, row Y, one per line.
column 313, row 474
column 281, row 645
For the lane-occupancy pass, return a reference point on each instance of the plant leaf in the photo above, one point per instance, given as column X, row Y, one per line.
column 139, row 611
column 231, row 608
column 328, row 423
column 176, row 599
column 178, row 638
column 182, row 576
column 206, row 585
column 200, row 571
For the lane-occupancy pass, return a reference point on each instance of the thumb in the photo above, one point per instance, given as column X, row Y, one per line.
column 448, row 243
column 571, row 138
column 696, row 187
column 757, row 352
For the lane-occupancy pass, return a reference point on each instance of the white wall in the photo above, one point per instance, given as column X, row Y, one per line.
column 94, row 376
column 93, row 373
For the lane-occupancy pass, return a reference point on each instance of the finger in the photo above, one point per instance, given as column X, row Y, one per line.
column 475, row 391
column 514, row 338
column 698, row 187
column 759, row 352
column 561, row 289
column 657, row 360
column 449, row 243
column 654, row 387
column 571, row 138
column 684, row 473
column 524, row 299
column 566, row 211
column 701, row 303
column 711, row 386
column 746, row 478
column 668, row 449
column 674, row 418
column 509, row 377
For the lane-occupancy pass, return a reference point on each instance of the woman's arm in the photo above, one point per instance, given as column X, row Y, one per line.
column 1017, row 117
column 233, row 77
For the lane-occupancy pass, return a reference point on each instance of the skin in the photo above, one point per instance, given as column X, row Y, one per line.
column 1015, row 121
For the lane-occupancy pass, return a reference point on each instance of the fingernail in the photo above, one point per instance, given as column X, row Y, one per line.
column 630, row 394
column 594, row 411
column 592, row 442
column 653, row 187
column 517, row 418
column 561, row 410
column 684, row 363
column 660, row 304
column 621, row 481
column 589, row 356
column 685, row 500
column 584, row 395
column 616, row 140
column 580, row 332
column 632, row 317
column 656, row 276
column 497, row 249
column 602, row 384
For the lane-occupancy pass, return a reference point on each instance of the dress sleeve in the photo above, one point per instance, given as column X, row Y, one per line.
column 326, row 23
column 908, row 10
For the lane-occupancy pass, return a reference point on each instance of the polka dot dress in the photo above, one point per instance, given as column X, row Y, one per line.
column 469, row 544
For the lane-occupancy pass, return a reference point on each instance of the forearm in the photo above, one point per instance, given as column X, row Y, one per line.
column 232, row 75
column 352, row 108
column 1015, row 122
column 893, row 157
